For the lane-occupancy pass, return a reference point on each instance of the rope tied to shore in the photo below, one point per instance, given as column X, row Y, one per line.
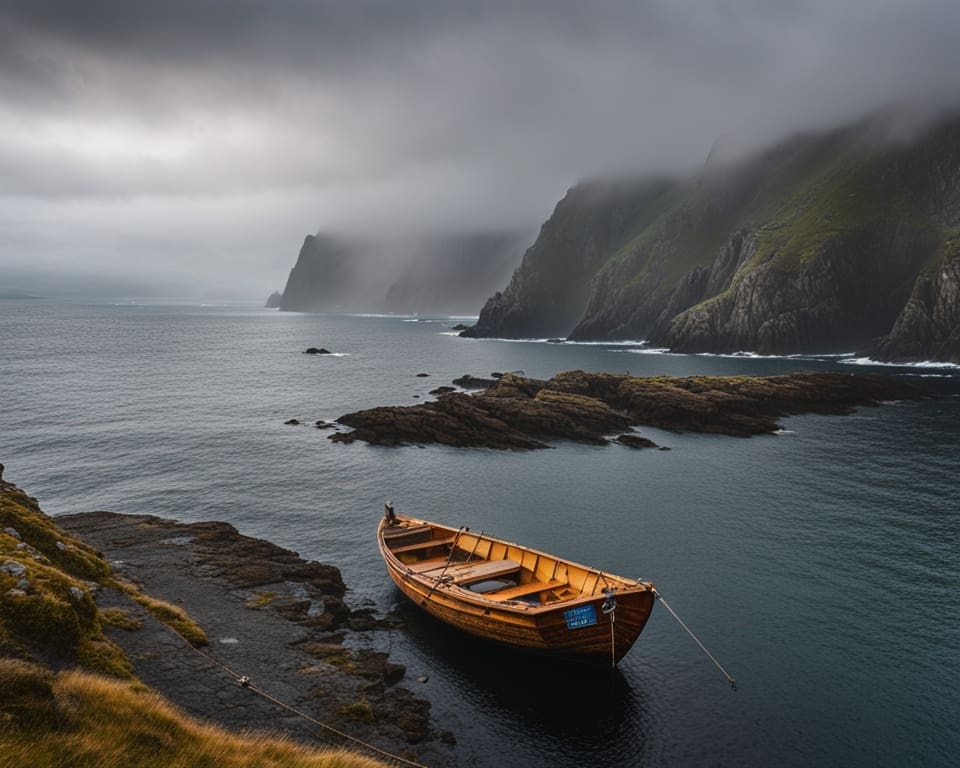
column 243, row 681
column 730, row 680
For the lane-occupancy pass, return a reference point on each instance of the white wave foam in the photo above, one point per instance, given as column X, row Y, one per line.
column 553, row 341
column 919, row 364
column 649, row 351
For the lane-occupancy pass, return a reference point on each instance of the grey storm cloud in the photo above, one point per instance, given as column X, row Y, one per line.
column 408, row 114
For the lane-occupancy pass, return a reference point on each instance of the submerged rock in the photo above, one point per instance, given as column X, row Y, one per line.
column 316, row 351
column 635, row 441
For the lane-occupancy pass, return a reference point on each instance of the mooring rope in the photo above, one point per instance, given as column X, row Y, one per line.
column 609, row 607
column 730, row 680
column 244, row 682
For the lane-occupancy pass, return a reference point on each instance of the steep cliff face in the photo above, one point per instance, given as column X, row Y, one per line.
column 928, row 328
column 814, row 245
column 450, row 273
column 324, row 276
column 454, row 274
column 549, row 290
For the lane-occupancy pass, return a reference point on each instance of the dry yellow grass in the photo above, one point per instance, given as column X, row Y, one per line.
column 173, row 616
column 86, row 721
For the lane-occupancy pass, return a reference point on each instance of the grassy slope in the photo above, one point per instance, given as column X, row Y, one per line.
column 47, row 582
column 87, row 721
column 78, row 719
column 801, row 195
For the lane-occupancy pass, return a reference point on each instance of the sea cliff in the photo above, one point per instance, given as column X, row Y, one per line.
column 838, row 241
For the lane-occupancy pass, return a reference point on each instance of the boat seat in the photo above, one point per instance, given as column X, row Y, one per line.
column 422, row 545
column 479, row 570
column 422, row 566
column 522, row 590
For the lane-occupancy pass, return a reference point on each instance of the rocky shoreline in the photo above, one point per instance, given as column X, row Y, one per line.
column 520, row 413
column 268, row 615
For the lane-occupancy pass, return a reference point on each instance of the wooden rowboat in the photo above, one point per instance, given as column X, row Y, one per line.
column 515, row 595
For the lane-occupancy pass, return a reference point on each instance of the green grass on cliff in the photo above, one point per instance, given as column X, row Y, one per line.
column 86, row 721
column 798, row 197
column 47, row 584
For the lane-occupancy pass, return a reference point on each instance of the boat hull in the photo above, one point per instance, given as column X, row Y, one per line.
column 577, row 629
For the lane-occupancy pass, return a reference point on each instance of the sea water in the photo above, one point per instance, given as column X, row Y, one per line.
column 820, row 566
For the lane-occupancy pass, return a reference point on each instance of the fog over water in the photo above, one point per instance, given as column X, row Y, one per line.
column 186, row 148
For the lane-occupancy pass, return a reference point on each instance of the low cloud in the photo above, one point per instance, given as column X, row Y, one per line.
column 178, row 141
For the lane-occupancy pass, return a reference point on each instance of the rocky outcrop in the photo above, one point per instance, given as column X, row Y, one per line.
column 521, row 413
column 268, row 613
column 274, row 300
column 812, row 246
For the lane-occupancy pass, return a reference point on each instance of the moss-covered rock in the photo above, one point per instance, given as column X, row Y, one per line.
column 41, row 538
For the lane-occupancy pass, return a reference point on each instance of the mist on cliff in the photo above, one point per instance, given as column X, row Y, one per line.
column 186, row 148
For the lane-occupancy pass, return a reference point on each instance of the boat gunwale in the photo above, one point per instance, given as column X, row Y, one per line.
column 630, row 586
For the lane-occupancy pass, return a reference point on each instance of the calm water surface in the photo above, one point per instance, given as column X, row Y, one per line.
column 821, row 566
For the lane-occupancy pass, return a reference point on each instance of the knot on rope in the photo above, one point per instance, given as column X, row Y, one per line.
column 609, row 602
column 244, row 682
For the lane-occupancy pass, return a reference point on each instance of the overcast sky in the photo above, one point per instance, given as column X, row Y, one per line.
column 187, row 146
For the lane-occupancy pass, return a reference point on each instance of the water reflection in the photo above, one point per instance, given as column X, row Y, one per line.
column 578, row 714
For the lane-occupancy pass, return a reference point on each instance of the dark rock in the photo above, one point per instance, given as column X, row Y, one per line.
column 928, row 327
column 422, row 375
column 473, row 382
column 444, row 390
column 554, row 341
column 521, row 414
column 280, row 641
column 274, row 300
column 325, row 425
column 316, row 351
column 292, row 421
column 496, row 375
column 635, row 441
column 459, row 327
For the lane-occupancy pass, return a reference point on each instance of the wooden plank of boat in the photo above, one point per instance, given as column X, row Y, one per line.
column 422, row 545
column 546, row 603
